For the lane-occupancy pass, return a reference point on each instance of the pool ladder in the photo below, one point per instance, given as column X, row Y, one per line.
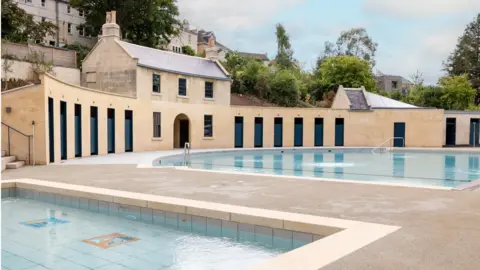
column 186, row 154
column 391, row 145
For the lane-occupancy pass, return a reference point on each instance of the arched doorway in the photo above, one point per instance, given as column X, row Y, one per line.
column 181, row 131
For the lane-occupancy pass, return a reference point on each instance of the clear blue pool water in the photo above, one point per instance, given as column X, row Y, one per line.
column 445, row 169
column 39, row 235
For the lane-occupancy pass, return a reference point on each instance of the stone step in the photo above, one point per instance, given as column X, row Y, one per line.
column 15, row 164
column 6, row 160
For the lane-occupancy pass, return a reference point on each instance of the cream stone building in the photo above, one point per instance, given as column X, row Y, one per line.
column 135, row 98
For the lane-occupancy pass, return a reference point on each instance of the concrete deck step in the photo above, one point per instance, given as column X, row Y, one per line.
column 6, row 160
column 15, row 164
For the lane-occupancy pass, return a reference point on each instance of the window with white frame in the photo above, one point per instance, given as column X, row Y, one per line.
column 68, row 9
column 43, row 3
column 69, row 28
column 80, row 12
column 81, row 31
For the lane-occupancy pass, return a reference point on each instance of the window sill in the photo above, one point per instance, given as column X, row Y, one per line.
column 208, row 99
column 183, row 97
column 156, row 94
column 208, row 138
column 157, row 139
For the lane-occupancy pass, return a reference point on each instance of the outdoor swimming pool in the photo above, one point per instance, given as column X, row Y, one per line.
column 433, row 168
column 40, row 235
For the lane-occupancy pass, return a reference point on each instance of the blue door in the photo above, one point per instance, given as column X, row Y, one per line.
column 450, row 131
column 474, row 130
column 93, row 130
column 258, row 132
column 278, row 132
column 339, row 130
column 51, row 132
column 298, row 132
column 238, row 131
column 111, row 130
column 78, row 130
column 63, row 130
column 318, row 132
column 128, row 131
column 399, row 134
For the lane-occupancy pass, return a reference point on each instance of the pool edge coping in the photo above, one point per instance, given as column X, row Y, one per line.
column 348, row 181
column 342, row 236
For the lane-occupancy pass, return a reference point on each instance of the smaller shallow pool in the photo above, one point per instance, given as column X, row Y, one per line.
column 40, row 235
column 433, row 168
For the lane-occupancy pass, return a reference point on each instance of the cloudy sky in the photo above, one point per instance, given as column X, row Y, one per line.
column 412, row 34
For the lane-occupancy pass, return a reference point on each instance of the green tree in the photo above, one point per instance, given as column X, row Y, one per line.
column 82, row 51
column 284, row 89
column 465, row 59
column 19, row 26
column 349, row 71
column 284, row 58
column 188, row 50
column 425, row 96
column 354, row 42
column 144, row 22
column 458, row 93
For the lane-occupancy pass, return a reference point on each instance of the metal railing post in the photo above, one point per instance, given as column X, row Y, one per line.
column 8, row 130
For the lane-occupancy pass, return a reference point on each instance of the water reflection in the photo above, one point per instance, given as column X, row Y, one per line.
column 298, row 164
column 339, row 158
column 238, row 161
column 473, row 165
column 277, row 163
column 258, row 161
column 398, row 164
column 449, row 168
column 317, row 170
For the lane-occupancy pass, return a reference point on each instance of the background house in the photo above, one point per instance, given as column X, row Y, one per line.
column 63, row 16
column 390, row 83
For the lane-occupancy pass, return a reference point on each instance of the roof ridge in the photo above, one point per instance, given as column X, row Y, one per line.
column 168, row 52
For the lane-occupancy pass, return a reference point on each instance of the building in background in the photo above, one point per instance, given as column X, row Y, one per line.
column 187, row 37
column 203, row 41
column 389, row 83
column 262, row 57
column 66, row 18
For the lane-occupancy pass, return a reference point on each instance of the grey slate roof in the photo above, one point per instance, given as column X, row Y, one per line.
column 260, row 56
column 360, row 101
column 174, row 62
column 357, row 100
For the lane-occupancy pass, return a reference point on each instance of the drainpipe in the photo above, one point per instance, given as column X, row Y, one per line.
column 33, row 142
column 57, row 36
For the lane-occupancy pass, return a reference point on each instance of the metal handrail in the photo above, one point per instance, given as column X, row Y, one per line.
column 389, row 140
column 186, row 154
column 8, row 140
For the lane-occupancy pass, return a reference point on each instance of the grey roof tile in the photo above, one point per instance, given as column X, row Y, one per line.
column 357, row 100
column 174, row 62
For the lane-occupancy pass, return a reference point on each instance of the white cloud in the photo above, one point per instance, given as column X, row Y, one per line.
column 231, row 14
column 425, row 51
column 420, row 8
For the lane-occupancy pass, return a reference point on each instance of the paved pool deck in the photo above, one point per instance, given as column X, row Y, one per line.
column 440, row 228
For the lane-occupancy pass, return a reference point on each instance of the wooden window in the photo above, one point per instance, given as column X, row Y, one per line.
column 208, row 126
column 209, row 89
column 156, row 83
column 157, row 125
column 182, row 87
